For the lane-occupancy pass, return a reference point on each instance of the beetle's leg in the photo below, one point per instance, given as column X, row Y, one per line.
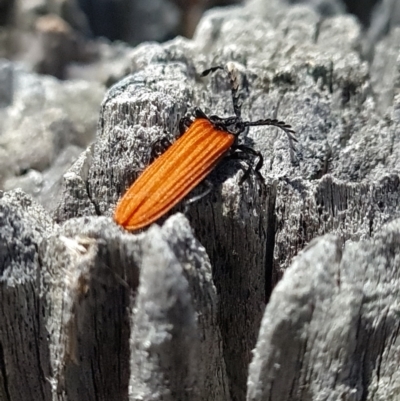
column 159, row 146
column 243, row 157
column 184, row 123
column 198, row 113
column 196, row 198
column 253, row 158
column 211, row 70
column 248, row 152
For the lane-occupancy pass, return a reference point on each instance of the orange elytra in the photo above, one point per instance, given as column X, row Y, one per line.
column 188, row 161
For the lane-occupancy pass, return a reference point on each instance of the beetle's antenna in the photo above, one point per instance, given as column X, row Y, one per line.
column 234, row 77
column 211, row 70
column 234, row 83
column 275, row 123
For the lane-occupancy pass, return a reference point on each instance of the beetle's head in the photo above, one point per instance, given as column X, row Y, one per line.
column 233, row 125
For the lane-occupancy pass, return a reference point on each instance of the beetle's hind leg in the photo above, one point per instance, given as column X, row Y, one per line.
column 185, row 122
column 211, row 70
column 159, row 146
column 196, row 198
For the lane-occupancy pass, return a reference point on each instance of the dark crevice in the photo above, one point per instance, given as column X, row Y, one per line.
column 382, row 348
column 317, row 30
column 395, row 334
column 37, row 326
column 332, row 189
column 371, row 227
column 4, row 372
column 96, row 207
column 392, row 142
column 330, row 77
column 270, row 242
column 364, row 367
column 93, row 369
column 36, row 339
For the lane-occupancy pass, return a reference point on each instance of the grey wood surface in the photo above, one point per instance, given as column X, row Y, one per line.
column 331, row 329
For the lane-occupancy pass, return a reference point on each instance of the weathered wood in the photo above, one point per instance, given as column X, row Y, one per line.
column 352, row 211
column 176, row 341
column 331, row 329
column 74, row 293
column 24, row 352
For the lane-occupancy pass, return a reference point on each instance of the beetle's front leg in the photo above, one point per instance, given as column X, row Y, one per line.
column 253, row 159
column 158, row 147
column 184, row 123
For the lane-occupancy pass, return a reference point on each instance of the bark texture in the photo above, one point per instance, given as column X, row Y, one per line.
column 336, row 332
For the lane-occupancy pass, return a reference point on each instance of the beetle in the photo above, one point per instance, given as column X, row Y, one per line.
column 205, row 140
